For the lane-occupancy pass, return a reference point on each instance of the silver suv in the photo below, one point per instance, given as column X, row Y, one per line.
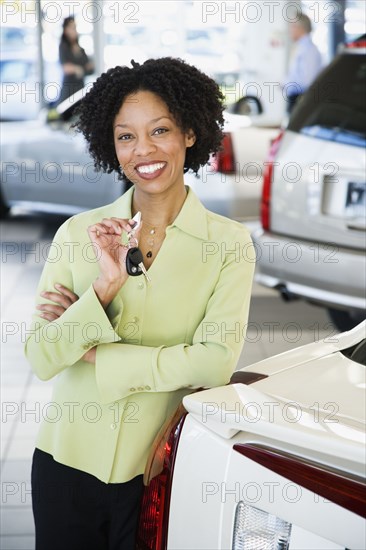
column 312, row 241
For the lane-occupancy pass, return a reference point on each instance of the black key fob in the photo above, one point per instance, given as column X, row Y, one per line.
column 133, row 259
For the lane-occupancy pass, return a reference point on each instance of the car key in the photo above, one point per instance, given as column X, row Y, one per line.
column 134, row 263
column 136, row 225
column 134, row 260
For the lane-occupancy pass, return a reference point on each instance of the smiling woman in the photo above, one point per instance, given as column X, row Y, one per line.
column 193, row 99
column 149, row 144
column 138, row 344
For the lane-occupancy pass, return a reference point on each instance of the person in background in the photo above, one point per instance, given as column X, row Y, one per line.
column 306, row 62
column 75, row 63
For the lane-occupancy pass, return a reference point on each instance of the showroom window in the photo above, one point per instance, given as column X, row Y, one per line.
column 220, row 38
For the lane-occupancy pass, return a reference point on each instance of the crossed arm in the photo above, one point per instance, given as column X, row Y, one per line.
column 106, row 238
column 120, row 368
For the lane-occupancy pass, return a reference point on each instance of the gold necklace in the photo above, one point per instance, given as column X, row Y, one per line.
column 152, row 233
column 150, row 239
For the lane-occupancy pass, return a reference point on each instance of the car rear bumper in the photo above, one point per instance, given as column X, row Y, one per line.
column 323, row 273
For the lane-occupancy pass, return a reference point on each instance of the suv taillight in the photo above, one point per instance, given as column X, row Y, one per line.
column 224, row 160
column 152, row 531
column 359, row 42
column 267, row 182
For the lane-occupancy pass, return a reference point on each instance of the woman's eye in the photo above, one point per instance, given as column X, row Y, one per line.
column 124, row 137
column 160, row 131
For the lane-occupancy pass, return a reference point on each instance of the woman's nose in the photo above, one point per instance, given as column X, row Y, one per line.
column 144, row 145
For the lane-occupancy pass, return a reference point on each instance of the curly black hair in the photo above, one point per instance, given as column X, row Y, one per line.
column 193, row 98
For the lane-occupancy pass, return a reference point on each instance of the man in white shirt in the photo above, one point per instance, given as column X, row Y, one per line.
column 306, row 62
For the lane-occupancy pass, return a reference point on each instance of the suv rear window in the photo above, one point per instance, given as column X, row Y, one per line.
column 334, row 108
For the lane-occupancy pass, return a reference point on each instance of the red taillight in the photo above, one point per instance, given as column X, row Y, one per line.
column 153, row 523
column 357, row 44
column 267, row 182
column 224, row 160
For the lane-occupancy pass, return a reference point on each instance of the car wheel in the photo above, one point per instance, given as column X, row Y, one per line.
column 248, row 105
column 345, row 320
column 4, row 208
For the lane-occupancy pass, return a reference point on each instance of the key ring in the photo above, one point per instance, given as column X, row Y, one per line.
column 132, row 242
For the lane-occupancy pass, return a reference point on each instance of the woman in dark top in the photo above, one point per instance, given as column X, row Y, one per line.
column 75, row 63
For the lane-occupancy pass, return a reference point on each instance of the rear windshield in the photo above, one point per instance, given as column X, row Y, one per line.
column 334, row 108
column 357, row 352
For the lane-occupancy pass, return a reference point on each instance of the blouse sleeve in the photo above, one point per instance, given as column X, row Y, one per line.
column 53, row 346
column 123, row 369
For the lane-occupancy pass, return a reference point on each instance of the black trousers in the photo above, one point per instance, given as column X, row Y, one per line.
column 74, row 510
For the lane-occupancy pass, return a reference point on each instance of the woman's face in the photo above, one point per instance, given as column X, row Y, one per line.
column 70, row 31
column 149, row 145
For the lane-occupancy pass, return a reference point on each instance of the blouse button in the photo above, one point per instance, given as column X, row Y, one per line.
column 135, row 319
column 140, row 286
column 113, row 426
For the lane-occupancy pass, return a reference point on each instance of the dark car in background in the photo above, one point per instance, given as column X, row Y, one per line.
column 313, row 209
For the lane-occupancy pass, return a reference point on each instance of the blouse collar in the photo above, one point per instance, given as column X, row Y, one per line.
column 192, row 218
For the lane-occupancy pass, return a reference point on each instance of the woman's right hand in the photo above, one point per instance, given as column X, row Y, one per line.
column 106, row 237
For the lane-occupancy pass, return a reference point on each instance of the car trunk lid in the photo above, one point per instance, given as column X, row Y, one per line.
column 321, row 200
column 313, row 397
column 319, row 184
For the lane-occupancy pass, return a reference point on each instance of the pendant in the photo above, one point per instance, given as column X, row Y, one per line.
column 149, row 254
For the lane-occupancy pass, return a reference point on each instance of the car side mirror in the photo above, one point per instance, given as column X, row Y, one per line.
column 248, row 105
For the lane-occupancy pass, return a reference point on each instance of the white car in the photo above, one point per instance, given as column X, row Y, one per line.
column 313, row 209
column 273, row 461
column 45, row 165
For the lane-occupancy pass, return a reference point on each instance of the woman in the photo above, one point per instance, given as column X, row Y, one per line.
column 126, row 351
column 75, row 63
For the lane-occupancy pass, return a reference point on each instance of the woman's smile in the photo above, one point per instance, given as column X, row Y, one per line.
column 150, row 170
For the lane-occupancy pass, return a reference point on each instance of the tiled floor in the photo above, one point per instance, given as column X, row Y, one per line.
column 274, row 326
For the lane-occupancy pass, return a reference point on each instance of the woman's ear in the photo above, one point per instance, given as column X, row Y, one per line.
column 190, row 138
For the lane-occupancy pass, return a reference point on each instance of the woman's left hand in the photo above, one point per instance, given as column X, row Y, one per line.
column 63, row 299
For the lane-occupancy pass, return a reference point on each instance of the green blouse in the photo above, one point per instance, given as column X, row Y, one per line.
column 156, row 342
